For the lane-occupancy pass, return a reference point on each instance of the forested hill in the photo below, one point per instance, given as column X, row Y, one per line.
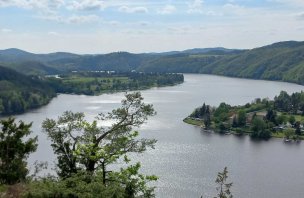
column 280, row 61
column 188, row 61
column 283, row 61
column 19, row 93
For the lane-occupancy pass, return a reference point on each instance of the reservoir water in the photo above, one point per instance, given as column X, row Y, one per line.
column 187, row 159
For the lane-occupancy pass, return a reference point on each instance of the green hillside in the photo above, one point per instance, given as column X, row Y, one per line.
column 184, row 63
column 19, row 93
column 32, row 68
column 281, row 61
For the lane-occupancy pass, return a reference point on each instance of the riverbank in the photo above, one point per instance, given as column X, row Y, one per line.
column 19, row 98
column 238, row 131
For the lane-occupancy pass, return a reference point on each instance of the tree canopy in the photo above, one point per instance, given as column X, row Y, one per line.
column 14, row 150
column 90, row 147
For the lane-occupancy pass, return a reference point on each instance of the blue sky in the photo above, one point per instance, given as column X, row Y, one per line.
column 97, row 26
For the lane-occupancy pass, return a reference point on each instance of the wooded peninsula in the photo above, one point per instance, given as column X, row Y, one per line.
column 281, row 117
column 19, row 93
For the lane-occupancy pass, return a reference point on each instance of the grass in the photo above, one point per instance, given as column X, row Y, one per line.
column 278, row 135
column 193, row 122
column 3, row 188
column 299, row 118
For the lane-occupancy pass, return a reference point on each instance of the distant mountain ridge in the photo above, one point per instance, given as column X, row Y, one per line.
column 283, row 61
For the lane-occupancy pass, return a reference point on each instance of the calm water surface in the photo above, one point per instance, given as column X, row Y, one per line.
column 187, row 159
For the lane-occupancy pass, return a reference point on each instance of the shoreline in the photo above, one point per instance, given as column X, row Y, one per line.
column 199, row 123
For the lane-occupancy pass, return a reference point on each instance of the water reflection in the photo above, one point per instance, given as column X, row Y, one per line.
column 187, row 158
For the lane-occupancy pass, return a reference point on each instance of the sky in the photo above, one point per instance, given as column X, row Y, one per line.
column 102, row 26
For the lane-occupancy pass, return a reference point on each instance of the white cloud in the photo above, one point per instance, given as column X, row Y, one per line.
column 213, row 13
column 127, row 9
column 168, row 9
column 87, row 5
column 75, row 19
column 32, row 4
column 5, row 30
column 82, row 19
column 196, row 6
column 53, row 33
column 236, row 9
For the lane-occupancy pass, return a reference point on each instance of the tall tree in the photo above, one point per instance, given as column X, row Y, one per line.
column 259, row 129
column 241, row 118
column 297, row 126
column 14, row 150
column 271, row 115
column 207, row 117
column 234, row 121
column 91, row 146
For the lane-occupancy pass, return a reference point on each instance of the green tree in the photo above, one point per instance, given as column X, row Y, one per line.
column 259, row 129
column 207, row 117
column 223, row 188
column 84, row 146
column 234, row 121
column 271, row 115
column 297, row 126
column 292, row 120
column 289, row 133
column 202, row 110
column 281, row 119
column 241, row 118
column 14, row 150
column 221, row 113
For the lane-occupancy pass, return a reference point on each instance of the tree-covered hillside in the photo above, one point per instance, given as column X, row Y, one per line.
column 280, row 61
column 180, row 63
column 283, row 61
column 19, row 93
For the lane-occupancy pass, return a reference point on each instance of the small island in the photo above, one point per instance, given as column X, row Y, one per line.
column 281, row 117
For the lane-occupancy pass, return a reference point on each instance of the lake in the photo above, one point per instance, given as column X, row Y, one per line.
column 188, row 159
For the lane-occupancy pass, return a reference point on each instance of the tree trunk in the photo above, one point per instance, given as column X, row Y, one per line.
column 103, row 173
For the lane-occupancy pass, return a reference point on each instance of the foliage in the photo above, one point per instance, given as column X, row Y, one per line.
column 293, row 103
column 289, row 133
column 281, row 61
column 260, row 129
column 77, row 185
column 94, row 83
column 292, row 119
column 84, row 146
column 223, row 187
column 14, row 150
column 241, row 118
column 262, row 118
column 221, row 114
column 271, row 116
column 19, row 93
column 134, row 183
column 203, row 113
